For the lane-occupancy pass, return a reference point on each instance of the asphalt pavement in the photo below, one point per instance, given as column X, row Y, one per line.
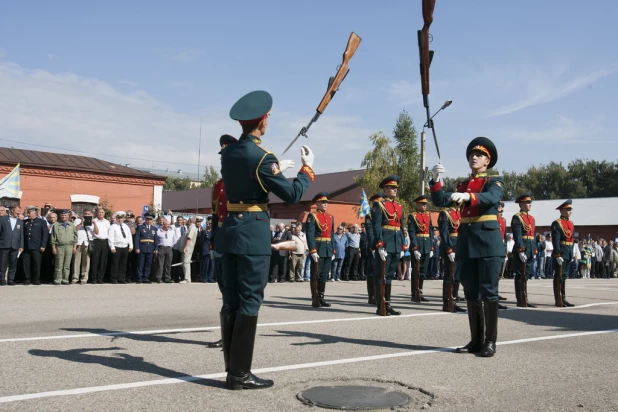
column 142, row 347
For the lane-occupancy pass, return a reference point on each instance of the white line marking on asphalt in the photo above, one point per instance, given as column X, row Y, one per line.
column 183, row 379
column 302, row 322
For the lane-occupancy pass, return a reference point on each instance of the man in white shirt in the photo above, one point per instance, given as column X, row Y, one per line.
column 81, row 262
column 121, row 244
column 297, row 259
column 100, row 247
column 187, row 245
column 167, row 239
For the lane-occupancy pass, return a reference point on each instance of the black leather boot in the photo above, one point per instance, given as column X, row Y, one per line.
column 518, row 292
column 387, row 298
column 321, row 290
column 420, row 287
column 445, row 290
column 227, row 328
column 477, row 324
column 239, row 375
column 564, row 301
column 490, row 310
column 371, row 290
column 528, row 304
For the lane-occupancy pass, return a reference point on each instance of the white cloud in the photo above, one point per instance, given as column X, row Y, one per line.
column 68, row 110
column 544, row 86
column 182, row 84
column 127, row 82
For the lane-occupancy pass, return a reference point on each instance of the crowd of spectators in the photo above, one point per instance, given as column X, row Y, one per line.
column 60, row 247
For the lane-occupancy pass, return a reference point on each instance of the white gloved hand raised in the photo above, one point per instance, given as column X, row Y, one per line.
column 315, row 257
column 522, row 257
column 460, row 197
column 560, row 260
column 285, row 165
column 332, row 257
column 382, row 253
column 306, row 156
column 417, row 255
column 437, row 170
column 431, row 254
column 451, row 256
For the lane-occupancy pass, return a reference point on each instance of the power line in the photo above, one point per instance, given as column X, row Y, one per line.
column 97, row 154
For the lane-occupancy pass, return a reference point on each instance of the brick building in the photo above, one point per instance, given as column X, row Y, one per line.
column 75, row 182
column 344, row 199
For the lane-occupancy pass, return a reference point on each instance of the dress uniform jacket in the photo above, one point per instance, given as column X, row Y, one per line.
column 320, row 229
column 219, row 210
column 479, row 233
column 11, row 238
column 523, row 226
column 36, row 234
column 419, row 226
column 502, row 223
column 448, row 226
column 146, row 240
column 250, row 173
column 387, row 225
column 562, row 232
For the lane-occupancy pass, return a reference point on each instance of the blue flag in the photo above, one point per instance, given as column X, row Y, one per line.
column 364, row 205
column 9, row 185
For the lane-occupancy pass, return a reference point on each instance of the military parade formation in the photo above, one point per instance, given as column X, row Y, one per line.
column 470, row 223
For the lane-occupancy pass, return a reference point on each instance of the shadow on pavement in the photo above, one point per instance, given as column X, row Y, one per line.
column 323, row 339
column 120, row 361
column 566, row 320
column 154, row 337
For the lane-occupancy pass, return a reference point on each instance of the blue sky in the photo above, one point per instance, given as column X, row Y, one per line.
column 134, row 78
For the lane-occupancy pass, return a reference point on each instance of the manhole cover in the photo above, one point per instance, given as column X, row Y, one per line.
column 353, row 398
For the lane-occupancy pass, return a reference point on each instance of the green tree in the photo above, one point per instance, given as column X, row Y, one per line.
column 408, row 158
column 378, row 163
column 173, row 184
column 211, row 176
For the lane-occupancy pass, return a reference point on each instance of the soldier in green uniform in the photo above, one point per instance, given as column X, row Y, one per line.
column 387, row 224
column 562, row 238
column 448, row 226
column 479, row 247
column 523, row 226
column 370, row 268
column 320, row 228
column 249, row 174
column 419, row 229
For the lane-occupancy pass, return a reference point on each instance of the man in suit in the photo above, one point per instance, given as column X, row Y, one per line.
column 208, row 272
column 11, row 244
column 35, row 240
column 479, row 248
column 146, row 243
column 280, row 265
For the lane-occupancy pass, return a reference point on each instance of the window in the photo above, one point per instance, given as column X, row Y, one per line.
column 78, row 207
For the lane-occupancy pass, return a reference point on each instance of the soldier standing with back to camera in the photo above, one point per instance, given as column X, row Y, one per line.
column 524, row 251
column 249, row 174
column 320, row 229
column 387, row 222
column 479, row 248
column 419, row 229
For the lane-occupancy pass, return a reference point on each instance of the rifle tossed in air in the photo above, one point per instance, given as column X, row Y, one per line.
column 333, row 85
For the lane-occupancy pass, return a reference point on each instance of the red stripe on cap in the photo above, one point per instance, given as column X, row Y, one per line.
column 482, row 149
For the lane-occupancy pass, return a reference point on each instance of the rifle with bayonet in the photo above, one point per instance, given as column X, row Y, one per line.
column 333, row 85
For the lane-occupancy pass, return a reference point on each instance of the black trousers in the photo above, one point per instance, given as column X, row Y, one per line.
column 279, row 267
column 353, row 256
column 31, row 262
column 98, row 260
column 8, row 257
column 119, row 265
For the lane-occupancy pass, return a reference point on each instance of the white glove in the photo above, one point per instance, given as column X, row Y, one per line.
column 373, row 253
column 333, row 257
column 382, row 253
column 212, row 254
column 401, row 254
column 306, row 156
column 451, row 256
column 315, row 257
column 559, row 260
column 522, row 257
column 460, row 197
column 417, row 255
column 431, row 254
column 285, row 165
column 437, row 171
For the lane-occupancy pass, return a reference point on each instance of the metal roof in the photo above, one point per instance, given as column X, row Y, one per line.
column 337, row 184
column 33, row 158
column 598, row 211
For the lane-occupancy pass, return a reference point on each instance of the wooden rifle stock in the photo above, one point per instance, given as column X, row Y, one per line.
column 315, row 268
column 382, row 299
column 287, row 245
column 417, row 280
column 451, row 286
